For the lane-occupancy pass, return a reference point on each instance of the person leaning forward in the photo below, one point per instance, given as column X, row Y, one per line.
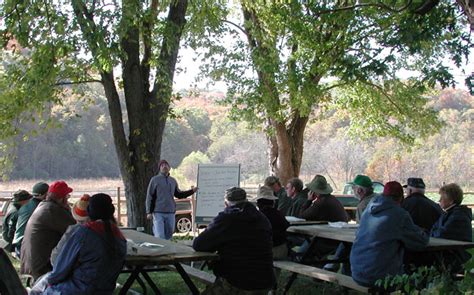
column 242, row 236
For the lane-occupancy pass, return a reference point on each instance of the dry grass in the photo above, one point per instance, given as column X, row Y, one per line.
column 80, row 186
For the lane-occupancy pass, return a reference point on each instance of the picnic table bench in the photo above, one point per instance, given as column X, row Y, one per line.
column 324, row 231
column 320, row 274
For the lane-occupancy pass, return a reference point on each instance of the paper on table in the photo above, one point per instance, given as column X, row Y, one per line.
column 342, row 224
column 145, row 249
column 292, row 218
column 151, row 245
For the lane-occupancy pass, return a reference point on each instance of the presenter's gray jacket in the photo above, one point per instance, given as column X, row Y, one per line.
column 161, row 192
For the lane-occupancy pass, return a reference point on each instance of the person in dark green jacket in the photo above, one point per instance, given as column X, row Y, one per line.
column 294, row 190
column 19, row 199
column 283, row 203
column 39, row 194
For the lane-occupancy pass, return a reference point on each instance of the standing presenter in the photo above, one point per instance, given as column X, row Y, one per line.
column 160, row 204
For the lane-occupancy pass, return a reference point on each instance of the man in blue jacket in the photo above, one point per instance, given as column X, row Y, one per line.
column 160, row 204
column 385, row 231
column 242, row 236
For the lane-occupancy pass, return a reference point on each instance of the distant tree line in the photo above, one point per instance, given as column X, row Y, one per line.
column 83, row 146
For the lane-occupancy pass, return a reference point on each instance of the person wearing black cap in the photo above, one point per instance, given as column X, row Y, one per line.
column 160, row 204
column 90, row 261
column 242, row 236
column 423, row 211
column 39, row 192
column 20, row 198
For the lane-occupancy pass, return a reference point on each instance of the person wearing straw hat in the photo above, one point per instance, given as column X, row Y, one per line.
column 265, row 203
column 20, row 198
column 321, row 205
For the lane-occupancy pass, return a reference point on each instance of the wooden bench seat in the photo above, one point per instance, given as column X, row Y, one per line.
column 199, row 275
column 320, row 274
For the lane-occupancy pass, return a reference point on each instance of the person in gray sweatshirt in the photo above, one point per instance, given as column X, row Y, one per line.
column 160, row 204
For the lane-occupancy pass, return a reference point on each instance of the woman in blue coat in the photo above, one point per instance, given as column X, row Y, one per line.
column 91, row 260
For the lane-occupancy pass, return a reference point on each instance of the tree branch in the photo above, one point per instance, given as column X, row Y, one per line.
column 78, row 82
column 147, row 42
column 378, row 5
column 235, row 25
column 384, row 93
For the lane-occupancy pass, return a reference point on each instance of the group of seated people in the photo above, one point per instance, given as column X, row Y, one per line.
column 393, row 231
column 78, row 250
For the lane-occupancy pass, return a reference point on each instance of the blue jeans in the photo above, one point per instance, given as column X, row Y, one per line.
column 163, row 225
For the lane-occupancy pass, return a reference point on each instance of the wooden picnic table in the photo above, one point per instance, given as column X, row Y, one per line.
column 171, row 254
column 348, row 235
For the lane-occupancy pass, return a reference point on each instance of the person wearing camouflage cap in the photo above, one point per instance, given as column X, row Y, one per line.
column 20, row 198
column 242, row 236
column 39, row 192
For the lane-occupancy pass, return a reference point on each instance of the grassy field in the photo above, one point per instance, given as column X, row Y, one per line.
column 171, row 283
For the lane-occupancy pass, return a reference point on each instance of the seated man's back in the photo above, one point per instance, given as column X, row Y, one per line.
column 385, row 231
column 44, row 230
column 242, row 236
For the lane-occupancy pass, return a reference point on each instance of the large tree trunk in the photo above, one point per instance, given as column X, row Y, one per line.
column 285, row 147
column 146, row 108
column 284, row 136
column 468, row 8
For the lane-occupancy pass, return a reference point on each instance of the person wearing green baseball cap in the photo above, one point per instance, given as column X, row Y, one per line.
column 363, row 190
column 20, row 198
column 39, row 192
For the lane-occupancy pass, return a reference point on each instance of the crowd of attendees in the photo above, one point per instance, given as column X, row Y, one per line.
column 80, row 250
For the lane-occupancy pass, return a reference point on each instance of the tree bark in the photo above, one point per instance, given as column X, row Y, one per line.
column 284, row 137
column 146, row 109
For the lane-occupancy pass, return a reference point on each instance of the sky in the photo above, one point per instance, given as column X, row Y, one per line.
column 190, row 63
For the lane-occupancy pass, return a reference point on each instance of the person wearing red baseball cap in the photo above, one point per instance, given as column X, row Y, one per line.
column 386, row 230
column 44, row 230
